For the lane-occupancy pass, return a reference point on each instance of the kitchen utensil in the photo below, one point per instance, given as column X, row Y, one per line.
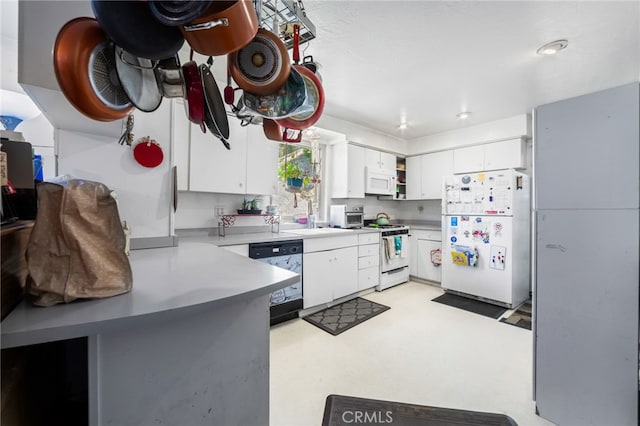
column 147, row 152
column 262, row 66
column 194, row 95
column 274, row 132
column 306, row 117
column 177, row 12
column 229, row 92
column 382, row 219
column 215, row 114
column 131, row 25
column 170, row 78
column 224, row 27
column 138, row 80
column 286, row 101
column 84, row 65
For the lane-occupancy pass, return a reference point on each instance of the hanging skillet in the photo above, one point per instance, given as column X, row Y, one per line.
column 215, row 116
column 84, row 64
column 262, row 66
column 315, row 92
column 138, row 80
column 131, row 25
column 194, row 95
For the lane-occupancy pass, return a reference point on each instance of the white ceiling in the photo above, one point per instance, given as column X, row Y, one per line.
column 425, row 61
column 428, row 60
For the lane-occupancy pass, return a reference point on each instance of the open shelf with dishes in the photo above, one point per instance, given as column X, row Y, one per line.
column 401, row 179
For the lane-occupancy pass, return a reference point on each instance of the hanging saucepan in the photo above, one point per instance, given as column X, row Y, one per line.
column 315, row 93
column 147, row 152
column 177, row 12
column 285, row 101
column 215, row 116
column 224, row 27
column 131, row 25
column 194, row 95
column 274, row 132
column 262, row 66
column 138, row 80
column 170, row 78
column 84, row 64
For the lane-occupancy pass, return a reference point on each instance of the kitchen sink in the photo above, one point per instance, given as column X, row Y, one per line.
column 315, row 231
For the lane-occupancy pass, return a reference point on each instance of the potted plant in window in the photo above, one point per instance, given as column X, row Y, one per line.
column 250, row 207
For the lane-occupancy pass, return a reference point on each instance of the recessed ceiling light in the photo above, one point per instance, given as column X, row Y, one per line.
column 463, row 115
column 552, row 48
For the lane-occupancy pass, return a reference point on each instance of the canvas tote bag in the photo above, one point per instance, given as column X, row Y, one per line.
column 77, row 247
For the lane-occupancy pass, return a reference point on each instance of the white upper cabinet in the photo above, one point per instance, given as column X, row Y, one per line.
column 425, row 173
column 470, row 159
column 347, row 170
column 262, row 162
column 214, row 168
column 492, row 156
column 375, row 159
column 414, row 177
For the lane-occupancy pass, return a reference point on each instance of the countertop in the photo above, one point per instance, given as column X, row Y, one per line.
column 193, row 276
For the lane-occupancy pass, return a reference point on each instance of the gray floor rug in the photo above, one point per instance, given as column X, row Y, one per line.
column 340, row 318
column 521, row 317
column 471, row 305
column 346, row 410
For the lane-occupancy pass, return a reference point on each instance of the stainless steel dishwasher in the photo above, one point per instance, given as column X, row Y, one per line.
column 286, row 302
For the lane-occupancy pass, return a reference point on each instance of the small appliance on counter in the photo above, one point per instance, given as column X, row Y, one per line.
column 343, row 216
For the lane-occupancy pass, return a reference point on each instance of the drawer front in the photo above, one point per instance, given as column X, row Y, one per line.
column 369, row 238
column 368, row 250
column 329, row 243
column 427, row 235
column 367, row 278
column 369, row 261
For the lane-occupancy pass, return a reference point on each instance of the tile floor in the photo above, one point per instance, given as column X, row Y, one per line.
column 418, row 351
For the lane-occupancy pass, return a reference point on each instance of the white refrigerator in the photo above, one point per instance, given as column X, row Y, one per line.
column 486, row 236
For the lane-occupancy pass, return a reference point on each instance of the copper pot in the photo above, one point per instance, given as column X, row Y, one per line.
column 262, row 66
column 224, row 27
column 73, row 52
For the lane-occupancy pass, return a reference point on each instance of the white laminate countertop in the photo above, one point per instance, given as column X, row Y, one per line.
column 262, row 237
column 166, row 281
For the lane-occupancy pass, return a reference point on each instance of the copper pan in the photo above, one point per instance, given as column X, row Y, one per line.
column 75, row 43
column 224, row 27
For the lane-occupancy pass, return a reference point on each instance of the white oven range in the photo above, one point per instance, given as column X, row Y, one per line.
column 394, row 256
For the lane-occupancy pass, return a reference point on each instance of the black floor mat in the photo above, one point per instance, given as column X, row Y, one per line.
column 346, row 410
column 471, row 305
column 521, row 317
column 344, row 316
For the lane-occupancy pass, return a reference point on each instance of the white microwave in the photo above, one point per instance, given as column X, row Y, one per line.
column 379, row 181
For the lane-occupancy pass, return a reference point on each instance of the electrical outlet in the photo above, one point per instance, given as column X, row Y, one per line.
column 219, row 210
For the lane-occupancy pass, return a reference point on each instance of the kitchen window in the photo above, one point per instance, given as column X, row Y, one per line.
column 299, row 163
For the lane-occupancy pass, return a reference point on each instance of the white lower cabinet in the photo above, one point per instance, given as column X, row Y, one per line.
column 423, row 246
column 368, row 260
column 330, row 269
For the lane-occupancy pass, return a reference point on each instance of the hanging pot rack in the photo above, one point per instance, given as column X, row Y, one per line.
column 287, row 13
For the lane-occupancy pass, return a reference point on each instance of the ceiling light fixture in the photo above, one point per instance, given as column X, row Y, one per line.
column 463, row 115
column 402, row 126
column 553, row 47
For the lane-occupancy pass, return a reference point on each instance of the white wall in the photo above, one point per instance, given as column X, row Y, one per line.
column 508, row 128
column 362, row 135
